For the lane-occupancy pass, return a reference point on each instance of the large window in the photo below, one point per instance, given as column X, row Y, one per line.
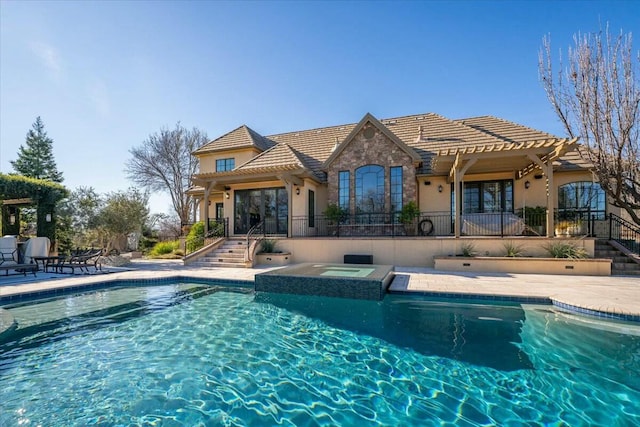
column 369, row 189
column 396, row 188
column 223, row 165
column 582, row 197
column 487, row 196
column 343, row 190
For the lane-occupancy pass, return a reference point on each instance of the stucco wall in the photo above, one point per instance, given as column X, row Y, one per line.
column 208, row 161
column 413, row 252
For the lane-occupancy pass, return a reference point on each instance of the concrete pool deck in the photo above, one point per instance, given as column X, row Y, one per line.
column 614, row 295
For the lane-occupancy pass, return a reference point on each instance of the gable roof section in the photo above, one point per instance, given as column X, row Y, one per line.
column 278, row 157
column 368, row 118
column 240, row 137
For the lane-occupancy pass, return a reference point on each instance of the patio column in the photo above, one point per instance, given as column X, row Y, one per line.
column 547, row 168
column 458, row 175
column 207, row 193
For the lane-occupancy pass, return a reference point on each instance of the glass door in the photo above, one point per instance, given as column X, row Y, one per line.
column 253, row 206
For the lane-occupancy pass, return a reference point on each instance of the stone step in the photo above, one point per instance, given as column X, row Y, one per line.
column 626, row 266
column 222, row 258
column 220, row 264
column 625, row 272
column 233, row 249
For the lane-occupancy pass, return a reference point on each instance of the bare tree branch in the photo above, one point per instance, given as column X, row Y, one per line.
column 597, row 96
column 164, row 163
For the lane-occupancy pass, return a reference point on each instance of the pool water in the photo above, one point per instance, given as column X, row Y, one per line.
column 189, row 354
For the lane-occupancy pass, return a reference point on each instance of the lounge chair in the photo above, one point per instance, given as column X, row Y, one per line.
column 9, row 257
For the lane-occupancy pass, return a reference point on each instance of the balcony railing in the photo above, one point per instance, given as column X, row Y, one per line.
column 527, row 222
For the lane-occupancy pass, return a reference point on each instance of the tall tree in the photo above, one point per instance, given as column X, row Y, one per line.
column 35, row 158
column 164, row 163
column 597, row 97
column 123, row 212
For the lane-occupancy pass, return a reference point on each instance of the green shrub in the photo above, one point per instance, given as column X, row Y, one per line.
column 335, row 213
column 409, row 213
column 195, row 238
column 513, row 250
column 565, row 250
column 164, row 248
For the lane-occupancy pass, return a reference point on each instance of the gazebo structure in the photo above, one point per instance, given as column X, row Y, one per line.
column 18, row 192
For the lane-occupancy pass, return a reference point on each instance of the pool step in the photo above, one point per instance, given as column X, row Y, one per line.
column 622, row 265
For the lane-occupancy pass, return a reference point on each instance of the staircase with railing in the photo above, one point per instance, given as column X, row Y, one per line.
column 624, row 233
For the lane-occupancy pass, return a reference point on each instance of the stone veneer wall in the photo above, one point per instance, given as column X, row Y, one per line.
column 378, row 150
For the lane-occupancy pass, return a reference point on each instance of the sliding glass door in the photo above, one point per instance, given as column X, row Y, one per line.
column 270, row 205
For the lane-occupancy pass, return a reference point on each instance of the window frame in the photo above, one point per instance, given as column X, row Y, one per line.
column 227, row 164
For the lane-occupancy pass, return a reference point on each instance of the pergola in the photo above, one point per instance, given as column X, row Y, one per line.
column 17, row 192
column 519, row 158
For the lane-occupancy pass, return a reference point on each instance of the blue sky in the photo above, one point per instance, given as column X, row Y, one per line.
column 105, row 75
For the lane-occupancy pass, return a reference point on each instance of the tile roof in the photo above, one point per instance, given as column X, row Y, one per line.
column 278, row 156
column 240, row 137
column 427, row 134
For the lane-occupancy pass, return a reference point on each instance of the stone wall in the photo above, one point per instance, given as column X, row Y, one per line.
column 372, row 147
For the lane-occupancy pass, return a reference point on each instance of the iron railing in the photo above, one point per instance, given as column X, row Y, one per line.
column 218, row 227
column 527, row 222
column 625, row 233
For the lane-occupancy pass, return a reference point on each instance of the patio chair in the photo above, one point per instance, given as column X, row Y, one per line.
column 8, row 250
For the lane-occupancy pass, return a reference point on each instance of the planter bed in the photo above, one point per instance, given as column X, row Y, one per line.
column 578, row 267
column 279, row 258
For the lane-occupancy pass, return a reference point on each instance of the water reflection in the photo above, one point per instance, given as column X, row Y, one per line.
column 484, row 335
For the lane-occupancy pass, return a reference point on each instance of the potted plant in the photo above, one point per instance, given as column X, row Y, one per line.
column 335, row 215
column 408, row 216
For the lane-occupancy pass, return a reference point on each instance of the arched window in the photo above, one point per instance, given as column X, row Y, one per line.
column 370, row 189
column 582, row 197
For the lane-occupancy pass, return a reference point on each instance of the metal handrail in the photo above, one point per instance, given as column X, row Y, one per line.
column 258, row 228
column 625, row 233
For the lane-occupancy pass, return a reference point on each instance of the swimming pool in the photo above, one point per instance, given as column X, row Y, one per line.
column 192, row 354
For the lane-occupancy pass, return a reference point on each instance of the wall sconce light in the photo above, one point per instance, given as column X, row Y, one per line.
column 297, row 191
column 527, row 184
column 12, row 219
column 440, row 188
column 226, row 194
column 47, row 217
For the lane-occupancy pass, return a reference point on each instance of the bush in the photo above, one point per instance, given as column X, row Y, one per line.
column 566, row 250
column 268, row 246
column 409, row 213
column 335, row 214
column 195, row 238
column 164, row 248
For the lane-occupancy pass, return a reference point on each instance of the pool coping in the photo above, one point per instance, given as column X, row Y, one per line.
column 419, row 281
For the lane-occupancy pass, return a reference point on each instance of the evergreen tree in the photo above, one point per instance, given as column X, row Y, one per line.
column 35, row 158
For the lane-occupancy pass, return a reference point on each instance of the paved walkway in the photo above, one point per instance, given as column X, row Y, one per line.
column 617, row 295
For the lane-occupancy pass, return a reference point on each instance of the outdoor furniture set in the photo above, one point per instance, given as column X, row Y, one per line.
column 81, row 259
